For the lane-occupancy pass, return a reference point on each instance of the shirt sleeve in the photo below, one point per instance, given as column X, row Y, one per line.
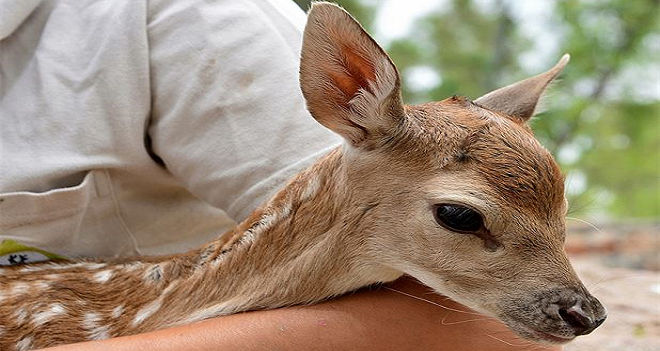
column 228, row 118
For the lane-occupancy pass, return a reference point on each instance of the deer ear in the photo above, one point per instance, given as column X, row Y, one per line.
column 520, row 99
column 350, row 84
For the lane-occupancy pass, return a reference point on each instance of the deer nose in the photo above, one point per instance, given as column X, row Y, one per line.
column 580, row 321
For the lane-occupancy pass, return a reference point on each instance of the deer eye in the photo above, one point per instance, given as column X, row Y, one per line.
column 458, row 218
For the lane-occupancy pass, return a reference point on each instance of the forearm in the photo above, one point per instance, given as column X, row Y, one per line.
column 368, row 320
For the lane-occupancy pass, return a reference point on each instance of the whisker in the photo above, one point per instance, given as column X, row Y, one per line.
column 532, row 345
column 595, row 285
column 508, row 343
column 443, row 322
column 587, row 223
column 428, row 301
column 466, row 321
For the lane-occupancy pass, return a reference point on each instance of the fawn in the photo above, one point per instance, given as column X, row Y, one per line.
column 457, row 194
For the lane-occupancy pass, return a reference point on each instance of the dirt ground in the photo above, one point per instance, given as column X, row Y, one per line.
column 620, row 265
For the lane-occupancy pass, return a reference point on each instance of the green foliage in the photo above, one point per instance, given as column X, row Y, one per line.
column 602, row 123
column 617, row 134
column 473, row 44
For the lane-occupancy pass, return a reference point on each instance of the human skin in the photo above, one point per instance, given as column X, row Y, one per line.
column 393, row 317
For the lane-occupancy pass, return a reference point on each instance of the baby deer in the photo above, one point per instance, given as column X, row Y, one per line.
column 456, row 193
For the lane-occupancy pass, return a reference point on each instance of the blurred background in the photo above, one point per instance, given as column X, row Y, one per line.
column 602, row 121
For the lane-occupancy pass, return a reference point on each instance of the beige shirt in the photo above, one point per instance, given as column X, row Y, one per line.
column 145, row 127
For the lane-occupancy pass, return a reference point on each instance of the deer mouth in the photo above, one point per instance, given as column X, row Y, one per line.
column 526, row 329
column 554, row 316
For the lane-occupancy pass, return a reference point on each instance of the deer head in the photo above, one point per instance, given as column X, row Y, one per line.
column 461, row 194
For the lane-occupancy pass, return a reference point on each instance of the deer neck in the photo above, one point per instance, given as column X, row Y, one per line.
column 303, row 246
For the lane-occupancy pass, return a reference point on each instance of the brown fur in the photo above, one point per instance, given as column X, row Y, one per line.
column 362, row 214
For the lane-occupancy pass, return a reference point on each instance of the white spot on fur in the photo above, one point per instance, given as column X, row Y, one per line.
column 94, row 265
column 41, row 285
column 91, row 320
column 61, row 266
column 91, row 323
column 147, row 311
column 116, row 312
column 248, row 236
column 24, row 344
column 103, row 276
column 151, row 308
column 20, row 315
column 18, row 289
column 29, row 269
column 313, row 186
column 43, row 317
column 129, row 267
column 266, row 222
column 285, row 211
column 216, row 261
column 216, row 310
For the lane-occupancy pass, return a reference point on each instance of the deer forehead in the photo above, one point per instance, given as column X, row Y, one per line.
column 520, row 170
column 456, row 135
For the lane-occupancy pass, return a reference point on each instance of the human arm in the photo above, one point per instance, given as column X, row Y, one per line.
column 380, row 319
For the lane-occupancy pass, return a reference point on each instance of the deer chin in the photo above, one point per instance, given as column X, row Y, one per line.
column 523, row 316
column 523, row 329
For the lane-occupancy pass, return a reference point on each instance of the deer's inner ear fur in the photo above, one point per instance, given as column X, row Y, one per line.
column 350, row 84
column 519, row 100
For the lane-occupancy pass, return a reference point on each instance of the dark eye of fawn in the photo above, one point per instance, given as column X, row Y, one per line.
column 458, row 218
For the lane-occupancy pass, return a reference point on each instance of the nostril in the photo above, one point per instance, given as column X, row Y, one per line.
column 599, row 321
column 578, row 319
